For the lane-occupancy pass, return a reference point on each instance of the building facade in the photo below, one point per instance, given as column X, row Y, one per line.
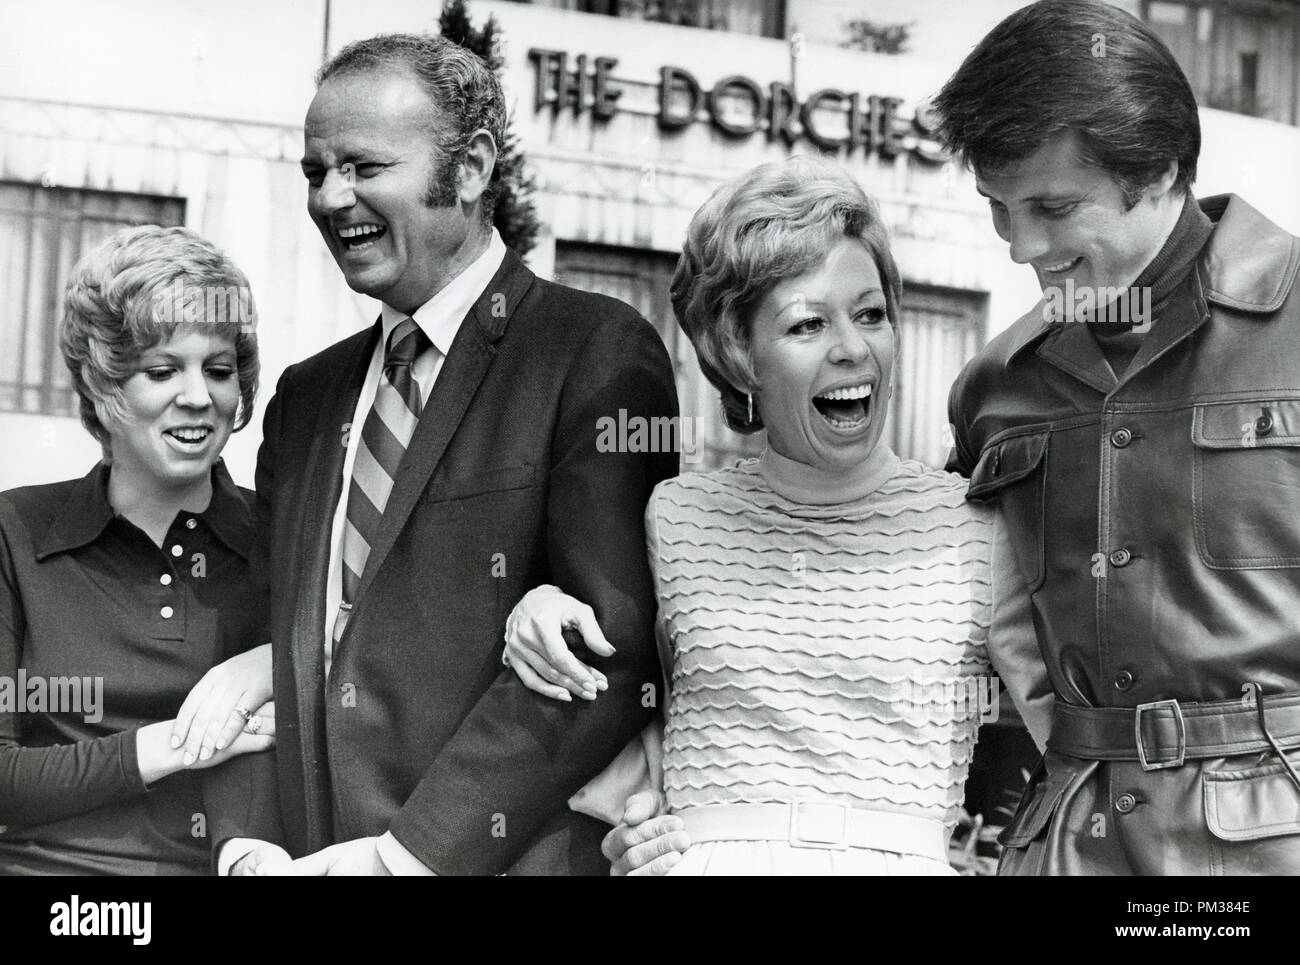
column 630, row 114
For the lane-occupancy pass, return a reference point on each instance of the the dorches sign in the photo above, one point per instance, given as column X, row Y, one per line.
column 740, row 107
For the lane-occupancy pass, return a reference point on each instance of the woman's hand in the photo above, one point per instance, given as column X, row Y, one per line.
column 648, row 841
column 215, row 711
column 537, row 651
column 258, row 734
column 156, row 758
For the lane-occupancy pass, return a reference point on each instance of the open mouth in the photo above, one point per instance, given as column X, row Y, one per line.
column 845, row 408
column 358, row 237
column 189, row 436
column 1062, row 267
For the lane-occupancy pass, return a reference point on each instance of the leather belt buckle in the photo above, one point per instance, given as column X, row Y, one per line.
column 816, row 824
column 1182, row 735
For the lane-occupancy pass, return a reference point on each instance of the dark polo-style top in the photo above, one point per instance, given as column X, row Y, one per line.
column 101, row 633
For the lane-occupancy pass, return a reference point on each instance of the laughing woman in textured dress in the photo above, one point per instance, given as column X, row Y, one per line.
column 824, row 610
column 134, row 580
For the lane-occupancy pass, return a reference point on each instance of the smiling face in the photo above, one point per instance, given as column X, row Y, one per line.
column 371, row 166
column 823, row 354
column 1067, row 218
column 178, row 410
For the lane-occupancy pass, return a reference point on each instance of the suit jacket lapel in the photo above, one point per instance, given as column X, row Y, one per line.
column 323, row 474
column 467, row 363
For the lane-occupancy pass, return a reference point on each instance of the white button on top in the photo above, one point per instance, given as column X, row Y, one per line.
column 176, row 550
column 191, row 523
column 166, row 612
column 165, row 579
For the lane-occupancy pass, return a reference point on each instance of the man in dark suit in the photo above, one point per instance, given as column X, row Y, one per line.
column 418, row 477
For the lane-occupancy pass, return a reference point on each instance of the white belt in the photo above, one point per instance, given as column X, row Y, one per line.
column 817, row 824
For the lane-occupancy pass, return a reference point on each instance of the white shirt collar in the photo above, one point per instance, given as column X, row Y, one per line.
column 441, row 315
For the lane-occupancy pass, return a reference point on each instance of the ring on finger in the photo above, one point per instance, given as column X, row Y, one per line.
column 254, row 725
column 243, row 712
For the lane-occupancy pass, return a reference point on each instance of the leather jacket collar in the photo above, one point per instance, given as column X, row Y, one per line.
column 1249, row 266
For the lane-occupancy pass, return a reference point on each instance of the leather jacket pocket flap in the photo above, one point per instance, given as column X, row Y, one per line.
column 1036, row 809
column 1006, row 462
column 1258, row 802
column 1258, row 424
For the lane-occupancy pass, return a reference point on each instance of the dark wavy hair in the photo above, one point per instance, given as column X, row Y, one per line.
column 1081, row 66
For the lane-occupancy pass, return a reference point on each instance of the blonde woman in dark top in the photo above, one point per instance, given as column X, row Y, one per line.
column 127, row 591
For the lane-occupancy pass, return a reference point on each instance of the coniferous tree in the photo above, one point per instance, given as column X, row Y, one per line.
column 516, row 214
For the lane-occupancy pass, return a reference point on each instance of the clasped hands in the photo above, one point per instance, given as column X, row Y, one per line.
column 229, row 708
column 215, row 716
column 359, row 857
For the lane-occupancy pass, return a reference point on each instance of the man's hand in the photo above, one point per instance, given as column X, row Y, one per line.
column 216, row 709
column 359, row 857
column 265, row 859
column 536, row 649
column 648, row 842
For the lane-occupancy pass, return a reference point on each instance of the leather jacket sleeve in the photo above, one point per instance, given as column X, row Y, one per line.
column 1013, row 644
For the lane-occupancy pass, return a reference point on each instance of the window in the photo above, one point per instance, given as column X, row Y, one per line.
column 642, row 279
column 763, row 18
column 1239, row 55
column 43, row 233
column 941, row 329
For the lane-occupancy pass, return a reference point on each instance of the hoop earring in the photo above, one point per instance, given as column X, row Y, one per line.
column 749, row 416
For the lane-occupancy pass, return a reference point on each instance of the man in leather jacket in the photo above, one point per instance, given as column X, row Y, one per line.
column 1139, row 431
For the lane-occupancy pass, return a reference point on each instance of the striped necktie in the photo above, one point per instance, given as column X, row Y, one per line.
column 384, row 437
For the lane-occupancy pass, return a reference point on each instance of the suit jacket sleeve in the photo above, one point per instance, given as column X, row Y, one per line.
column 265, row 485
column 640, row 766
column 517, row 757
column 241, row 800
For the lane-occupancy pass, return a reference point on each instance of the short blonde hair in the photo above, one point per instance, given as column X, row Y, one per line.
column 132, row 293
column 772, row 223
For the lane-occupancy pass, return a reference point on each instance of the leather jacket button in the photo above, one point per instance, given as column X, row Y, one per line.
column 1125, row 803
column 1123, row 680
column 1120, row 557
column 1122, row 437
column 1264, row 424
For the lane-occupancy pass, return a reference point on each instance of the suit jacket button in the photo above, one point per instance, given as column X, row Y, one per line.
column 1121, row 438
column 1123, row 680
column 1120, row 557
column 1125, row 803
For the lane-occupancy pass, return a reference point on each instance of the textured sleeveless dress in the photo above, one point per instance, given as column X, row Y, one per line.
column 832, row 653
